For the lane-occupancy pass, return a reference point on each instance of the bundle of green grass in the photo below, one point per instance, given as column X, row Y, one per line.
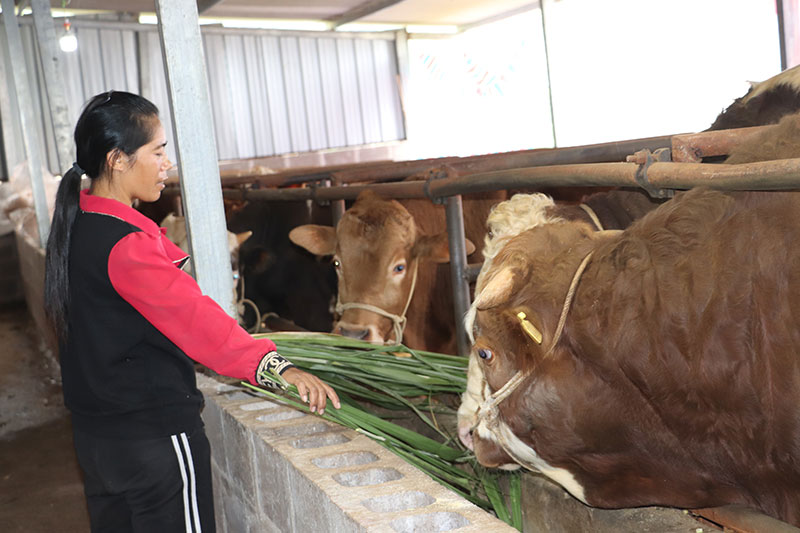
column 376, row 383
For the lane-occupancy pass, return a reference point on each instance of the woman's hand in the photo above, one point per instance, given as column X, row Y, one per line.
column 312, row 390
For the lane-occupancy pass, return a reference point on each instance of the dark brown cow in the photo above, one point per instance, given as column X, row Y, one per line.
column 388, row 257
column 765, row 103
column 676, row 377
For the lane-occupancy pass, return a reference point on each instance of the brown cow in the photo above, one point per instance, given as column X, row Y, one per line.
column 386, row 254
column 673, row 377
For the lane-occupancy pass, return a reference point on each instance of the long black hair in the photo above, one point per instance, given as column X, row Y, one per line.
column 117, row 122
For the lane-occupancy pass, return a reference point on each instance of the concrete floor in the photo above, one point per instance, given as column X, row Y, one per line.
column 40, row 484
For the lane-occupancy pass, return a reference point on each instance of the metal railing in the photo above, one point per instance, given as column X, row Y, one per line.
column 640, row 163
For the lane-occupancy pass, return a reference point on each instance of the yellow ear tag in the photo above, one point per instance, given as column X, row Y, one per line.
column 529, row 328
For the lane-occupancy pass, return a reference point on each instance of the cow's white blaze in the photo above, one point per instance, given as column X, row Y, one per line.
column 470, row 401
column 527, row 456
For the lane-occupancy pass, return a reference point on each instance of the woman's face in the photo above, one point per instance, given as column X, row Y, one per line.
column 144, row 173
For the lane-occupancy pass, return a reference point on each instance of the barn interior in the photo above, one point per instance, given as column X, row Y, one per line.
column 280, row 113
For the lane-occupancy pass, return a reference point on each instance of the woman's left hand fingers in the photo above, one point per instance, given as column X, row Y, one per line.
column 312, row 390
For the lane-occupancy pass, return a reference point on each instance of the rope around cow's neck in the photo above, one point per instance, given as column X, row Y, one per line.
column 593, row 216
column 489, row 411
column 398, row 321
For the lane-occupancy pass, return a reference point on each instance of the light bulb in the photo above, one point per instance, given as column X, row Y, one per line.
column 68, row 42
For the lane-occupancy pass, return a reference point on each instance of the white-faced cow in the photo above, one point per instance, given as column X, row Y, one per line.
column 654, row 366
column 388, row 255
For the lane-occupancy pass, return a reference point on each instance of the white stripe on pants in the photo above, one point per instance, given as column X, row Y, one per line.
column 191, row 486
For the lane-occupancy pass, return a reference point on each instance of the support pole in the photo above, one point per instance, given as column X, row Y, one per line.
column 30, row 136
column 198, row 167
column 788, row 26
column 53, row 81
column 9, row 118
column 458, row 264
column 337, row 206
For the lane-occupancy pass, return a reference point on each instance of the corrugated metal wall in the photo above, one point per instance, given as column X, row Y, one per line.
column 271, row 92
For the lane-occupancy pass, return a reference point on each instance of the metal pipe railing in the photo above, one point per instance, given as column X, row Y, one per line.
column 379, row 171
column 689, row 147
column 693, row 147
column 457, row 176
column 454, row 214
column 765, row 175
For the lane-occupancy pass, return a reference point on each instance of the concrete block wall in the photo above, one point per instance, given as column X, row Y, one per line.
column 277, row 469
column 31, row 268
column 548, row 507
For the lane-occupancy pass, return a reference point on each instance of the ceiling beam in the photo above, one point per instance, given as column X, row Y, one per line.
column 360, row 11
column 500, row 16
column 205, row 5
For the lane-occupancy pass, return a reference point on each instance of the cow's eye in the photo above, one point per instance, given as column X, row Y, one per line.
column 399, row 268
column 485, row 354
column 490, row 233
column 337, row 264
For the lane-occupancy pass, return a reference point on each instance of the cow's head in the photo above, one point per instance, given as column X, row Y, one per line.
column 513, row 323
column 377, row 249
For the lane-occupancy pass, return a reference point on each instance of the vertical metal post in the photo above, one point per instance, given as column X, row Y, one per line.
column 458, row 265
column 788, row 25
column 30, row 136
column 403, row 72
column 198, row 168
column 145, row 78
column 53, row 81
column 337, row 210
column 9, row 118
column 337, row 206
column 549, row 78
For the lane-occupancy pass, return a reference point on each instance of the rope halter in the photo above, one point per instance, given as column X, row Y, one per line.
column 398, row 321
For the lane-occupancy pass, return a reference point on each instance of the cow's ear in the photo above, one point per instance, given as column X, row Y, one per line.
column 436, row 248
column 432, row 248
column 497, row 290
column 319, row 240
column 241, row 237
column 469, row 246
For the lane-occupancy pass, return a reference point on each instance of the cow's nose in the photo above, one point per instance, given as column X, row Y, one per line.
column 359, row 334
column 465, row 434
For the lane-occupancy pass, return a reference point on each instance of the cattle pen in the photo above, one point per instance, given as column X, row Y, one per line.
column 659, row 165
column 276, row 468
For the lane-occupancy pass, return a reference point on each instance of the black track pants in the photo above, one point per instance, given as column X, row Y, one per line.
column 149, row 485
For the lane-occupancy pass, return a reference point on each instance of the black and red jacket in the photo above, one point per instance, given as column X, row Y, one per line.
column 135, row 319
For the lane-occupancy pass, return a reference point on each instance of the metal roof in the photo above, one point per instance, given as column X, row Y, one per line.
column 434, row 12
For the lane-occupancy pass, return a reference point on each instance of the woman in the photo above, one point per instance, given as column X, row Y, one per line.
column 128, row 321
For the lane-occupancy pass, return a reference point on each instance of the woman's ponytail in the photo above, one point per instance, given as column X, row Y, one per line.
column 56, row 273
column 114, row 120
